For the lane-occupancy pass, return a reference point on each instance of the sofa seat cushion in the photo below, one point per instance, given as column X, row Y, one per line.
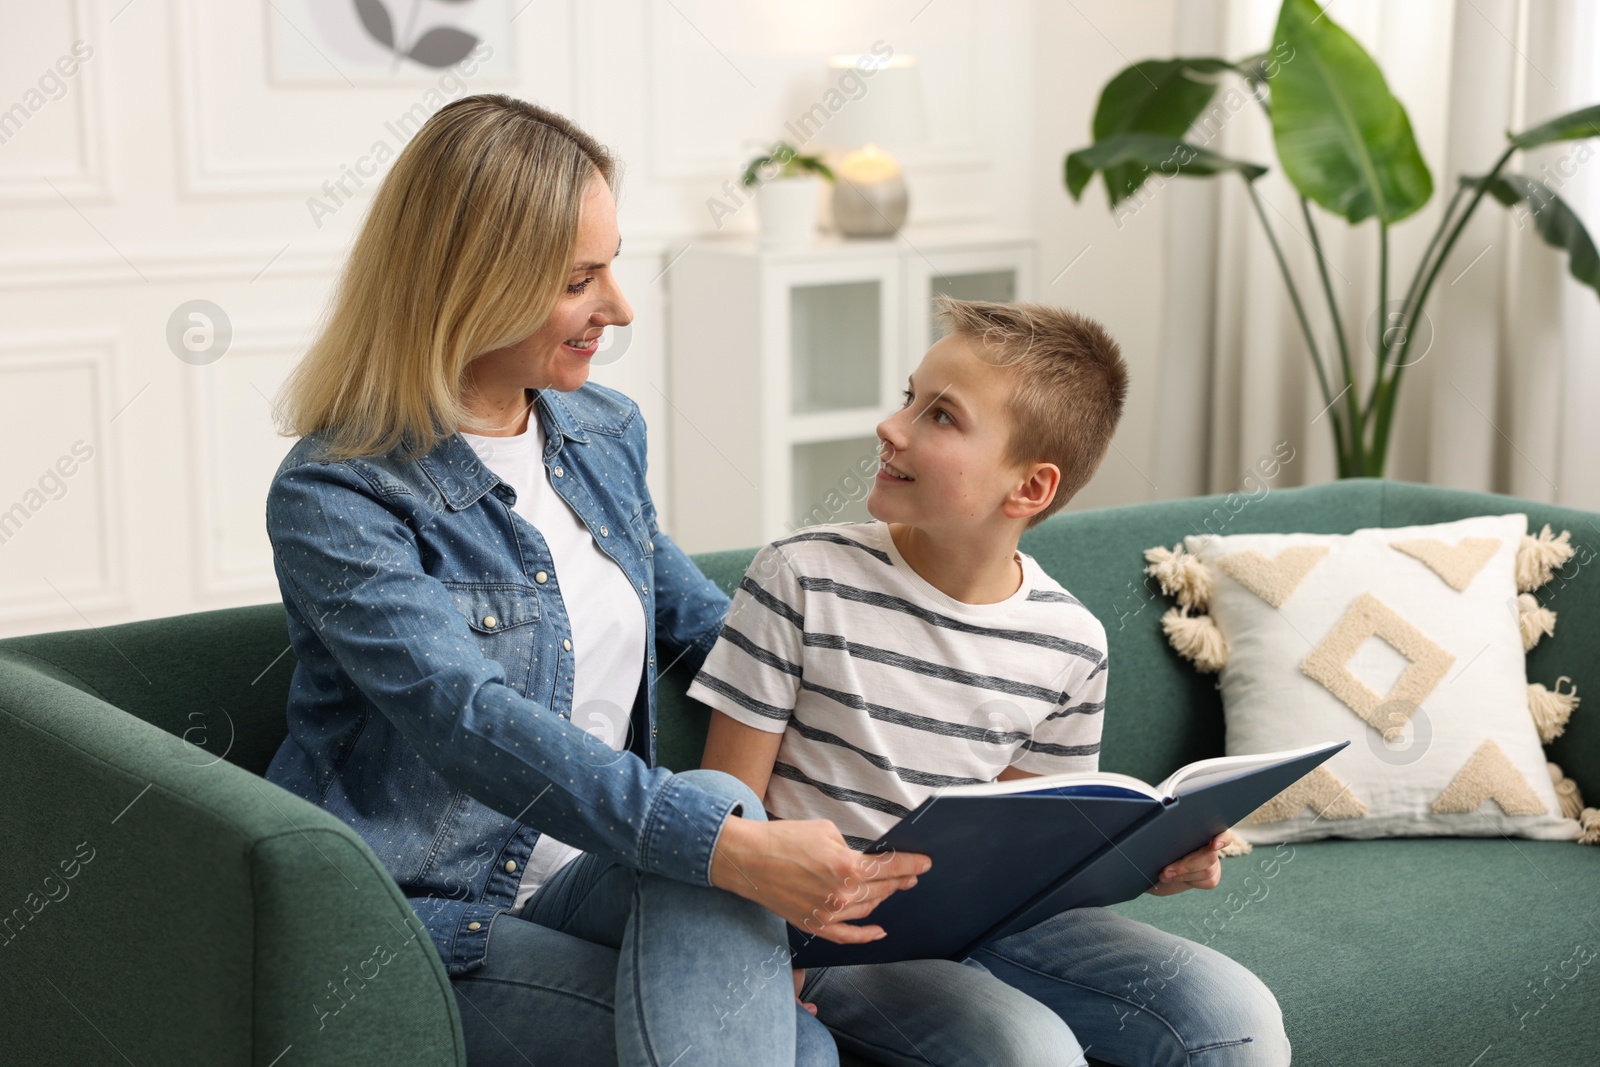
column 1408, row 950
column 1426, row 950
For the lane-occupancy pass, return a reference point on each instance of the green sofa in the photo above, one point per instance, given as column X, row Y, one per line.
column 164, row 904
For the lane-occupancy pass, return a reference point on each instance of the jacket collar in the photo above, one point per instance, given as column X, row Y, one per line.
column 558, row 415
column 462, row 478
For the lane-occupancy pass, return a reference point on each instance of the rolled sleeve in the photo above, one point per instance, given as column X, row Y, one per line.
column 352, row 569
column 752, row 675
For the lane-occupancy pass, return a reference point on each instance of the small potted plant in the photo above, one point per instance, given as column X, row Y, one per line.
column 785, row 184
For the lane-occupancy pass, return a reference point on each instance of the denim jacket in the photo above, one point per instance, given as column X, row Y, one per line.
column 431, row 703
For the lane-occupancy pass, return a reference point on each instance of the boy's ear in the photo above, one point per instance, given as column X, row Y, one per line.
column 1034, row 492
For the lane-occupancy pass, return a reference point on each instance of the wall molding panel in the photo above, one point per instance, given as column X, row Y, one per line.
column 37, row 583
column 182, row 171
column 85, row 100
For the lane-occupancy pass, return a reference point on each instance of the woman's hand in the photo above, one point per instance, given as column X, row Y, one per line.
column 801, row 870
column 1200, row 869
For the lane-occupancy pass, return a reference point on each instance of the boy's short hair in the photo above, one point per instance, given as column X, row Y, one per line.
column 1070, row 386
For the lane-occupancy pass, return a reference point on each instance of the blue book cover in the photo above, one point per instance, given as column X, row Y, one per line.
column 1007, row 855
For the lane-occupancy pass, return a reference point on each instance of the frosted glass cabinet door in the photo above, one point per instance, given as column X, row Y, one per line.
column 832, row 346
column 835, row 353
column 832, row 480
column 837, row 325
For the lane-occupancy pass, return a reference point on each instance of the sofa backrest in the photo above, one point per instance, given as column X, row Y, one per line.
column 218, row 679
column 1160, row 712
column 221, row 678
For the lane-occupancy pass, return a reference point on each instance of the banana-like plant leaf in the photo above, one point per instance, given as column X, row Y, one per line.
column 1154, row 96
column 1147, row 154
column 1261, row 68
column 1556, row 222
column 1342, row 137
column 1573, row 126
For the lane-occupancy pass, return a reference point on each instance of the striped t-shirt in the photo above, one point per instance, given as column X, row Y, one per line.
column 886, row 689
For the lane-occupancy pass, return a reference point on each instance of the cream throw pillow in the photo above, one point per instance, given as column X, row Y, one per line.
column 1411, row 643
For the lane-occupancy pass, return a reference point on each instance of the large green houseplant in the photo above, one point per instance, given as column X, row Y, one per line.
column 1345, row 143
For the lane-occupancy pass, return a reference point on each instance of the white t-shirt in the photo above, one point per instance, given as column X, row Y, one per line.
column 607, row 619
column 887, row 689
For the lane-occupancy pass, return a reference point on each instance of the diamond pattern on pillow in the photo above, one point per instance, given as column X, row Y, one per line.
column 1367, row 616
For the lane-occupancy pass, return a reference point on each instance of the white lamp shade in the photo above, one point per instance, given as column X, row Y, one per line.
column 888, row 112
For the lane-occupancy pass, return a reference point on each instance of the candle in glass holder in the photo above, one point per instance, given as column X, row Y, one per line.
column 869, row 199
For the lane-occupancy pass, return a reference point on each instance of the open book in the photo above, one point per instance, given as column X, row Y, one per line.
column 1007, row 855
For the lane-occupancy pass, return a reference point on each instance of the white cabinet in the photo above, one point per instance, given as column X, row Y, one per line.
column 781, row 363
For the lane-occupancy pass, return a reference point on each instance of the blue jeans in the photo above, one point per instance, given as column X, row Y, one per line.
column 1088, row 980
column 606, row 965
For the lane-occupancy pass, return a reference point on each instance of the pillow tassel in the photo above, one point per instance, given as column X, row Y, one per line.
column 1196, row 639
column 1590, row 822
column 1534, row 619
column 1182, row 575
column 1236, row 847
column 1551, row 710
column 1567, row 792
column 1538, row 557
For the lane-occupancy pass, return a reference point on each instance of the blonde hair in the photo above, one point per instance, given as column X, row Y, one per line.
column 1069, row 389
column 466, row 249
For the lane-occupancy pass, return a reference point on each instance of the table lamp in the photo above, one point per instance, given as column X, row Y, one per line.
column 870, row 198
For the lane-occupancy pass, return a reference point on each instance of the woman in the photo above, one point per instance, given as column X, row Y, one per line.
column 468, row 552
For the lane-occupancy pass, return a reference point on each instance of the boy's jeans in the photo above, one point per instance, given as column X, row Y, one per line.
column 607, row 965
column 1088, row 980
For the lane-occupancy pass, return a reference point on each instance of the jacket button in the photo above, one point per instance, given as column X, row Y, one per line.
column 474, row 926
column 652, row 661
column 604, row 532
column 488, row 622
column 511, row 866
column 566, row 644
column 559, row 472
column 540, row 577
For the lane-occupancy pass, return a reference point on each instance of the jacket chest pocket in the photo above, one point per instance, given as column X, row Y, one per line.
column 644, row 527
column 503, row 619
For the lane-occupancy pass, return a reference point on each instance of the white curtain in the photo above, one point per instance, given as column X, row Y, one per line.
column 1507, row 398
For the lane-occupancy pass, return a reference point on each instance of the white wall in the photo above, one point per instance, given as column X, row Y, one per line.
column 1110, row 269
column 168, row 167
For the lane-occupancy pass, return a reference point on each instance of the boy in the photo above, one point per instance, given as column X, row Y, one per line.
column 863, row 666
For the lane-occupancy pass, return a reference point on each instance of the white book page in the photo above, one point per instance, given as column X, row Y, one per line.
column 1043, row 782
column 1185, row 779
column 1201, row 773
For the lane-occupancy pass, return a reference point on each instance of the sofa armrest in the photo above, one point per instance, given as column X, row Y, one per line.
column 160, row 905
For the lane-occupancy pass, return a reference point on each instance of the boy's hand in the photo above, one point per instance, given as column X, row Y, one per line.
column 800, row 980
column 801, row 870
column 1200, row 869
